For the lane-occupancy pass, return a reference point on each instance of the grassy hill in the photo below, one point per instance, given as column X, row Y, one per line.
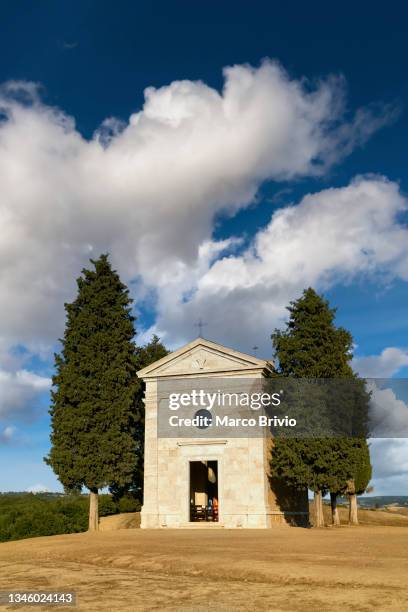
column 385, row 517
column 380, row 501
column 24, row 515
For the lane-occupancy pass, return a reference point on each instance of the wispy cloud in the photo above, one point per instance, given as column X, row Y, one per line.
column 68, row 44
column 7, row 434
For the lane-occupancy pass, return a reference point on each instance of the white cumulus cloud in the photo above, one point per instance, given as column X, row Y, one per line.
column 148, row 190
column 19, row 393
column 389, row 458
column 385, row 365
column 330, row 236
column 388, row 413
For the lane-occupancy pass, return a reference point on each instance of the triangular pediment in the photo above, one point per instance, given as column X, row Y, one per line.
column 203, row 357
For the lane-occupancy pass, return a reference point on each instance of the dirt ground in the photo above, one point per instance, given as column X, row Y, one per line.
column 128, row 520
column 284, row 568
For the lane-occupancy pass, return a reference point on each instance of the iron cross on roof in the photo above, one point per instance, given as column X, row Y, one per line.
column 200, row 324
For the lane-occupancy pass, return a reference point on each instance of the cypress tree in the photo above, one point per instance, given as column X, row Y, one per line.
column 145, row 355
column 362, row 471
column 150, row 352
column 312, row 346
column 347, row 455
column 94, row 410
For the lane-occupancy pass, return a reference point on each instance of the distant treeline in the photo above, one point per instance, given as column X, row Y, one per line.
column 26, row 515
column 375, row 502
column 378, row 501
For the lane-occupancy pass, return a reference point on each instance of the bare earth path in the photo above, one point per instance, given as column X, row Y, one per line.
column 358, row 568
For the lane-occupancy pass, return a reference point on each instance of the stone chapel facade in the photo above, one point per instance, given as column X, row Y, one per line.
column 209, row 482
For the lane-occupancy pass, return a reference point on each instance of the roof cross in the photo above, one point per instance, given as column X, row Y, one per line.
column 200, row 324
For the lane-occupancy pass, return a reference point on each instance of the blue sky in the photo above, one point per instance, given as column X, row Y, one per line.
column 317, row 103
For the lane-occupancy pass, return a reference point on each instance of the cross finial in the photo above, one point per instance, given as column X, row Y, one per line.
column 200, row 324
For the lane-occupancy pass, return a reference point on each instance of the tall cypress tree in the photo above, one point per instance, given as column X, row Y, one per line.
column 311, row 346
column 94, row 411
column 362, row 471
column 145, row 355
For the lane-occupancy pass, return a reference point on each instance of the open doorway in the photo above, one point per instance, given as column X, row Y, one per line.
column 204, row 491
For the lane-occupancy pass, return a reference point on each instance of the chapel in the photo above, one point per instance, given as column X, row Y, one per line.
column 209, row 481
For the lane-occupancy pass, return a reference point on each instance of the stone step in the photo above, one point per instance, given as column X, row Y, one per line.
column 201, row 525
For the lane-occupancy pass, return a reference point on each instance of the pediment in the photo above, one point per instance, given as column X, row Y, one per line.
column 202, row 357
